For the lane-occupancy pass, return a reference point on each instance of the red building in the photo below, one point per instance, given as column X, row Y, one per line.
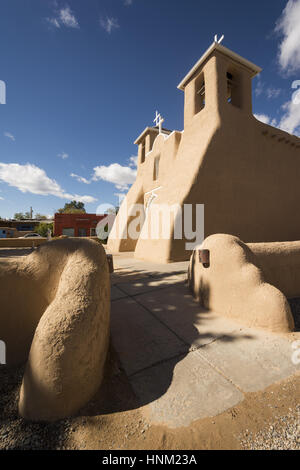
column 76, row 225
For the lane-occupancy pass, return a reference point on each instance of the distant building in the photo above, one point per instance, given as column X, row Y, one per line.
column 13, row 228
column 7, row 232
column 76, row 225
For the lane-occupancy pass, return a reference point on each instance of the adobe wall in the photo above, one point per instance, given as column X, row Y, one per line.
column 55, row 310
column 248, row 282
column 244, row 172
column 21, row 242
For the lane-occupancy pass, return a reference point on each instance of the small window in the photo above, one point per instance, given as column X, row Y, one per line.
column 230, row 85
column 69, row 232
column 143, row 152
column 233, row 88
column 156, row 168
column 199, row 93
column 93, row 232
column 82, row 232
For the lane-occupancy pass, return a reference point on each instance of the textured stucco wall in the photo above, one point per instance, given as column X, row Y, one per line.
column 248, row 282
column 55, row 308
column 243, row 171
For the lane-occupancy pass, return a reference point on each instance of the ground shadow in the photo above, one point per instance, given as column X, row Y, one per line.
column 174, row 334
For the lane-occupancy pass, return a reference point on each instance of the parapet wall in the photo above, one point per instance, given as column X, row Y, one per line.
column 35, row 242
column 280, row 262
column 21, row 242
column 248, row 282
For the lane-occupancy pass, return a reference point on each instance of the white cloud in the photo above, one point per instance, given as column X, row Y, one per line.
column 290, row 121
column 263, row 118
column 10, row 136
column 273, row 92
column 133, row 160
column 68, row 18
column 81, row 179
column 1, row 198
column 64, row 17
column 127, row 2
column 109, row 24
column 54, row 22
column 63, row 155
column 259, row 87
column 32, row 179
column 266, row 119
column 288, row 26
column 120, row 176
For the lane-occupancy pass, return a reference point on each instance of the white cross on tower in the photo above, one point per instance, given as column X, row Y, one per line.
column 218, row 40
column 158, row 121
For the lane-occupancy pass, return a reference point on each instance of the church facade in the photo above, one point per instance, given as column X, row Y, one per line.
column 245, row 172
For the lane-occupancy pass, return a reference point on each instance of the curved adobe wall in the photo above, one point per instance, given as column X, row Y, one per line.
column 248, row 282
column 55, row 313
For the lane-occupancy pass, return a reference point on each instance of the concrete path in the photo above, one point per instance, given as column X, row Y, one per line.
column 183, row 362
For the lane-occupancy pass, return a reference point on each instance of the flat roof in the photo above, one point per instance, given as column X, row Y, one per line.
column 147, row 129
column 218, row 47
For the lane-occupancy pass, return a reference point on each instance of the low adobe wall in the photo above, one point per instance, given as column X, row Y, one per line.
column 55, row 309
column 21, row 242
column 248, row 282
column 36, row 241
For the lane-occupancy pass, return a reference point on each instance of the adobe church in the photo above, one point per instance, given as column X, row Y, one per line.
column 245, row 172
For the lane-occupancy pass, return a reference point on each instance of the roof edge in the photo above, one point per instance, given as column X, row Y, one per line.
column 148, row 128
column 216, row 46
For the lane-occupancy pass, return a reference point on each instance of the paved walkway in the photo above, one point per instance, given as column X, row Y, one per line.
column 183, row 362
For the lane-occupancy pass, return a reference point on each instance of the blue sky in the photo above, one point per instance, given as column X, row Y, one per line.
column 84, row 78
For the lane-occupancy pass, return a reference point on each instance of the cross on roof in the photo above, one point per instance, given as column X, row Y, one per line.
column 158, row 121
column 218, row 40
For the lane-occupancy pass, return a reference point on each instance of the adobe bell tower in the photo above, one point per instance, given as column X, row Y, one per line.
column 221, row 78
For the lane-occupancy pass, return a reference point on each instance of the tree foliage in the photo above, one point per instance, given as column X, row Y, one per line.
column 72, row 207
column 27, row 216
column 19, row 216
column 42, row 229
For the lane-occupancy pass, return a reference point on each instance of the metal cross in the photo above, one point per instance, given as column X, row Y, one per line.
column 220, row 40
column 158, row 121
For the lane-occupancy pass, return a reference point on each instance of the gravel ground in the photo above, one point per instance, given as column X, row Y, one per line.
column 283, row 434
column 15, row 433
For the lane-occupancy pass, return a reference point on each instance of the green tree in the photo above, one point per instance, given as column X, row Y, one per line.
column 73, row 207
column 42, row 229
column 19, row 216
column 40, row 216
